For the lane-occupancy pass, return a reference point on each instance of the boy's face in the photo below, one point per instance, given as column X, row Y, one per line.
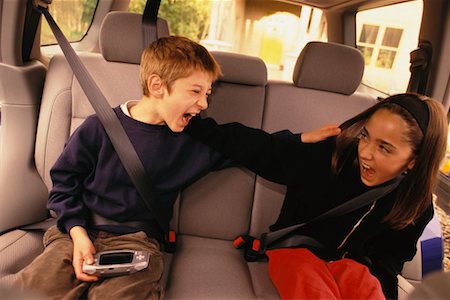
column 188, row 97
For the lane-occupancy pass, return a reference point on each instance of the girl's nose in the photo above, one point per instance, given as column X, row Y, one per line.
column 366, row 150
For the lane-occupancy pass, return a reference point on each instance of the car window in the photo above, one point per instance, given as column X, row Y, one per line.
column 73, row 17
column 275, row 31
column 386, row 36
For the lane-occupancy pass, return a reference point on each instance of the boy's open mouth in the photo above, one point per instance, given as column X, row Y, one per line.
column 187, row 117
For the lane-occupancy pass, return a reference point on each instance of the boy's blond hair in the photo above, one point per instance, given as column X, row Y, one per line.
column 176, row 57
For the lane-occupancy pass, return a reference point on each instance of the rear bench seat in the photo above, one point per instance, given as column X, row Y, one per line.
column 223, row 204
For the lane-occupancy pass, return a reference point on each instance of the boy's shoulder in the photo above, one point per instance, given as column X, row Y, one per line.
column 91, row 126
column 91, row 122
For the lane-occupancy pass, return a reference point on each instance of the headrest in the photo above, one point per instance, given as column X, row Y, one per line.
column 121, row 36
column 329, row 67
column 242, row 69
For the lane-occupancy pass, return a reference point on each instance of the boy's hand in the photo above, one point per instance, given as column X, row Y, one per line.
column 83, row 250
column 320, row 134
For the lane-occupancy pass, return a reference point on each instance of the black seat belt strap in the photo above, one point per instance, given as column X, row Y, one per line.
column 420, row 60
column 269, row 239
column 113, row 127
column 149, row 21
column 254, row 249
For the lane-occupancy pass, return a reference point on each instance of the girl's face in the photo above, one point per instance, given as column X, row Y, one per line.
column 383, row 151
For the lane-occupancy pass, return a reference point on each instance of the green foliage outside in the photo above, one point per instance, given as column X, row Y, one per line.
column 189, row 18
column 73, row 18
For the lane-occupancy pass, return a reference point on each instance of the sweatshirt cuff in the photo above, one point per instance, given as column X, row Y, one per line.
column 68, row 224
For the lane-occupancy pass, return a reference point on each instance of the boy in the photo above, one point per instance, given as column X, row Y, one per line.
column 97, row 205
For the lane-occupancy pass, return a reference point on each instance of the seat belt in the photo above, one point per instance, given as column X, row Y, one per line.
column 149, row 21
column 420, row 60
column 254, row 249
column 112, row 125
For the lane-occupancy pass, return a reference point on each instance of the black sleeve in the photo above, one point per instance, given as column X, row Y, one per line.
column 395, row 247
column 279, row 157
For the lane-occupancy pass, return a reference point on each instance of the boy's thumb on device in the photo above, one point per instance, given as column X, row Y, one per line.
column 89, row 259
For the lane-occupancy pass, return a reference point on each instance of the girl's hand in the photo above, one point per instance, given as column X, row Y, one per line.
column 320, row 134
column 83, row 250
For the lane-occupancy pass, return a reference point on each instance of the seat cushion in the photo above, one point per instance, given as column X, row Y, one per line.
column 205, row 268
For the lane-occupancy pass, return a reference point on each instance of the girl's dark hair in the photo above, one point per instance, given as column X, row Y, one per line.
column 415, row 191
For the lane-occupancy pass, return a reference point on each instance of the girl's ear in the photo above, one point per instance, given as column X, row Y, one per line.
column 155, row 86
column 411, row 164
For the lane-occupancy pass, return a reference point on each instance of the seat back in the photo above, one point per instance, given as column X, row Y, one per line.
column 325, row 79
column 64, row 105
column 219, row 205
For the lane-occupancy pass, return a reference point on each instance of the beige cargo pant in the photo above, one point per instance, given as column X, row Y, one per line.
column 51, row 274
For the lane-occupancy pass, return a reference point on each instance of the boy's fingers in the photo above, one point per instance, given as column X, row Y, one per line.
column 331, row 131
column 78, row 268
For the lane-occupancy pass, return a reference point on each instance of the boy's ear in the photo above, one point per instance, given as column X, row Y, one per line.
column 155, row 86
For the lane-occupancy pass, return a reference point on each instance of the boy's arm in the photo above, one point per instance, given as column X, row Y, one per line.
column 68, row 173
column 83, row 250
column 280, row 157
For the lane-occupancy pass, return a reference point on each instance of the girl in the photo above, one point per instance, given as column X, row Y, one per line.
column 404, row 135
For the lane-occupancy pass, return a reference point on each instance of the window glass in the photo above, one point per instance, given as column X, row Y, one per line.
column 73, row 18
column 275, row 31
column 386, row 36
column 368, row 34
column 392, row 37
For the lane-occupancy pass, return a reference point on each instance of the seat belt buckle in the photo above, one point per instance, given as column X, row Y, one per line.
column 253, row 247
column 239, row 242
column 170, row 244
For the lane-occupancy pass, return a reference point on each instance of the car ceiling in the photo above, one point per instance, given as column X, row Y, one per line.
column 340, row 4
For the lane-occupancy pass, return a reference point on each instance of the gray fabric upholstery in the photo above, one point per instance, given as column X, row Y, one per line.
column 220, row 212
column 241, row 69
column 60, row 115
column 121, row 36
column 288, row 106
column 206, row 211
column 213, row 269
column 329, row 67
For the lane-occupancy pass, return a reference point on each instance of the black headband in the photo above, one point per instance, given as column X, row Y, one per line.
column 416, row 107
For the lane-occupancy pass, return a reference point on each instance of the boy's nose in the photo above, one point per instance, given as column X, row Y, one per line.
column 203, row 103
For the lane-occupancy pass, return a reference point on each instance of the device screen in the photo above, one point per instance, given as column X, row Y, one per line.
column 116, row 258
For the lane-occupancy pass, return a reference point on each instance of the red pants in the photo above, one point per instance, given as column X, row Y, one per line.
column 299, row 274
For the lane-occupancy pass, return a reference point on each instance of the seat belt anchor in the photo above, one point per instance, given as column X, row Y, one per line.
column 170, row 244
column 254, row 249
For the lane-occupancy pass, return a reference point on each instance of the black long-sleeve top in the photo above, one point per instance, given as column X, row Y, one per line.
column 305, row 168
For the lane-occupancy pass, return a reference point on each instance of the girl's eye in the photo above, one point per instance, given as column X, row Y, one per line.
column 362, row 135
column 384, row 149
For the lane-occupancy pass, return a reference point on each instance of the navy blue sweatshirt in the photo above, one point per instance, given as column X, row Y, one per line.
column 89, row 177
